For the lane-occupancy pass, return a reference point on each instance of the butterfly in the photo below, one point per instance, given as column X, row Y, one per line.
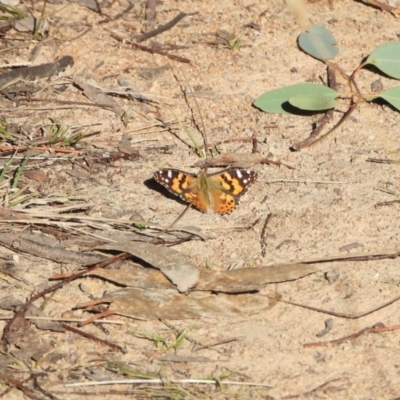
column 219, row 192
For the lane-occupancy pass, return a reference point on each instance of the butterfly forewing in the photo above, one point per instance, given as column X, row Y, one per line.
column 218, row 192
column 237, row 181
column 177, row 182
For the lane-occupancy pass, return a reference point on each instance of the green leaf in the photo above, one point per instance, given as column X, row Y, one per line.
column 277, row 101
column 387, row 59
column 392, row 96
column 318, row 42
column 313, row 102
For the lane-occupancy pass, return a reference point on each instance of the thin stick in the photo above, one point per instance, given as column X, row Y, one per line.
column 162, row 28
column 46, row 148
column 149, row 49
column 393, row 10
column 92, row 337
column 221, row 342
column 162, row 382
column 103, row 321
column 172, row 224
column 307, row 394
column 343, row 315
column 377, row 328
column 263, row 231
column 343, row 119
column 305, row 181
column 243, row 139
column 119, row 15
column 382, row 161
column 204, row 132
column 386, row 203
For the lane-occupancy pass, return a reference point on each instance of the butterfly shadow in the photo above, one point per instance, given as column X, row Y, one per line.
column 156, row 187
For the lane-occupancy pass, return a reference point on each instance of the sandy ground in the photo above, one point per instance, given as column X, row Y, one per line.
column 325, row 206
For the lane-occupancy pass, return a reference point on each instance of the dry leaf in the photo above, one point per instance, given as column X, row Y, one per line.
column 8, row 214
column 250, row 279
column 134, row 275
column 11, row 268
column 29, row 343
column 235, row 281
column 171, row 263
column 77, row 172
column 41, row 246
column 38, row 176
column 43, row 324
column 99, row 97
column 168, row 304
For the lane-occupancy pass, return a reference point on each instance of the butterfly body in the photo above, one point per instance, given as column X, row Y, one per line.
column 218, row 192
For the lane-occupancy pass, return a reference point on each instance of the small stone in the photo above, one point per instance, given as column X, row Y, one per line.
column 377, row 86
column 332, row 275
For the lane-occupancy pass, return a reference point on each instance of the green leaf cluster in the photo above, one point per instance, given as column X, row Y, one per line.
column 319, row 42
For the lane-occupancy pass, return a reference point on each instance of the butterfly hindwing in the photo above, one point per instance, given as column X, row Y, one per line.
column 218, row 192
column 233, row 183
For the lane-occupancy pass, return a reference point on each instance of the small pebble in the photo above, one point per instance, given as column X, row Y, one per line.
column 332, row 275
column 377, row 86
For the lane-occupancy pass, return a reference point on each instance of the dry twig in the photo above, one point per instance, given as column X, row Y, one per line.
column 162, row 28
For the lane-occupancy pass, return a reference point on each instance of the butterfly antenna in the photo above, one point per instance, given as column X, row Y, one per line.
column 203, row 128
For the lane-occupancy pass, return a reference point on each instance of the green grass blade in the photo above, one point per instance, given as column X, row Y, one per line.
column 41, row 21
column 181, row 337
column 21, row 169
column 6, row 168
column 130, row 371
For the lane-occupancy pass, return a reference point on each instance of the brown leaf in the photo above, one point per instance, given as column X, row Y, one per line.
column 38, row 245
column 134, row 275
column 6, row 213
column 235, row 281
column 78, row 173
column 33, row 311
column 168, row 304
column 171, row 263
column 250, row 279
column 125, row 146
column 29, row 343
column 38, row 176
column 99, row 97
column 13, row 269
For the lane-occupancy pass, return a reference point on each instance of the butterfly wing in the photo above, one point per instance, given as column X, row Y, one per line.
column 219, row 192
column 183, row 185
column 227, row 187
